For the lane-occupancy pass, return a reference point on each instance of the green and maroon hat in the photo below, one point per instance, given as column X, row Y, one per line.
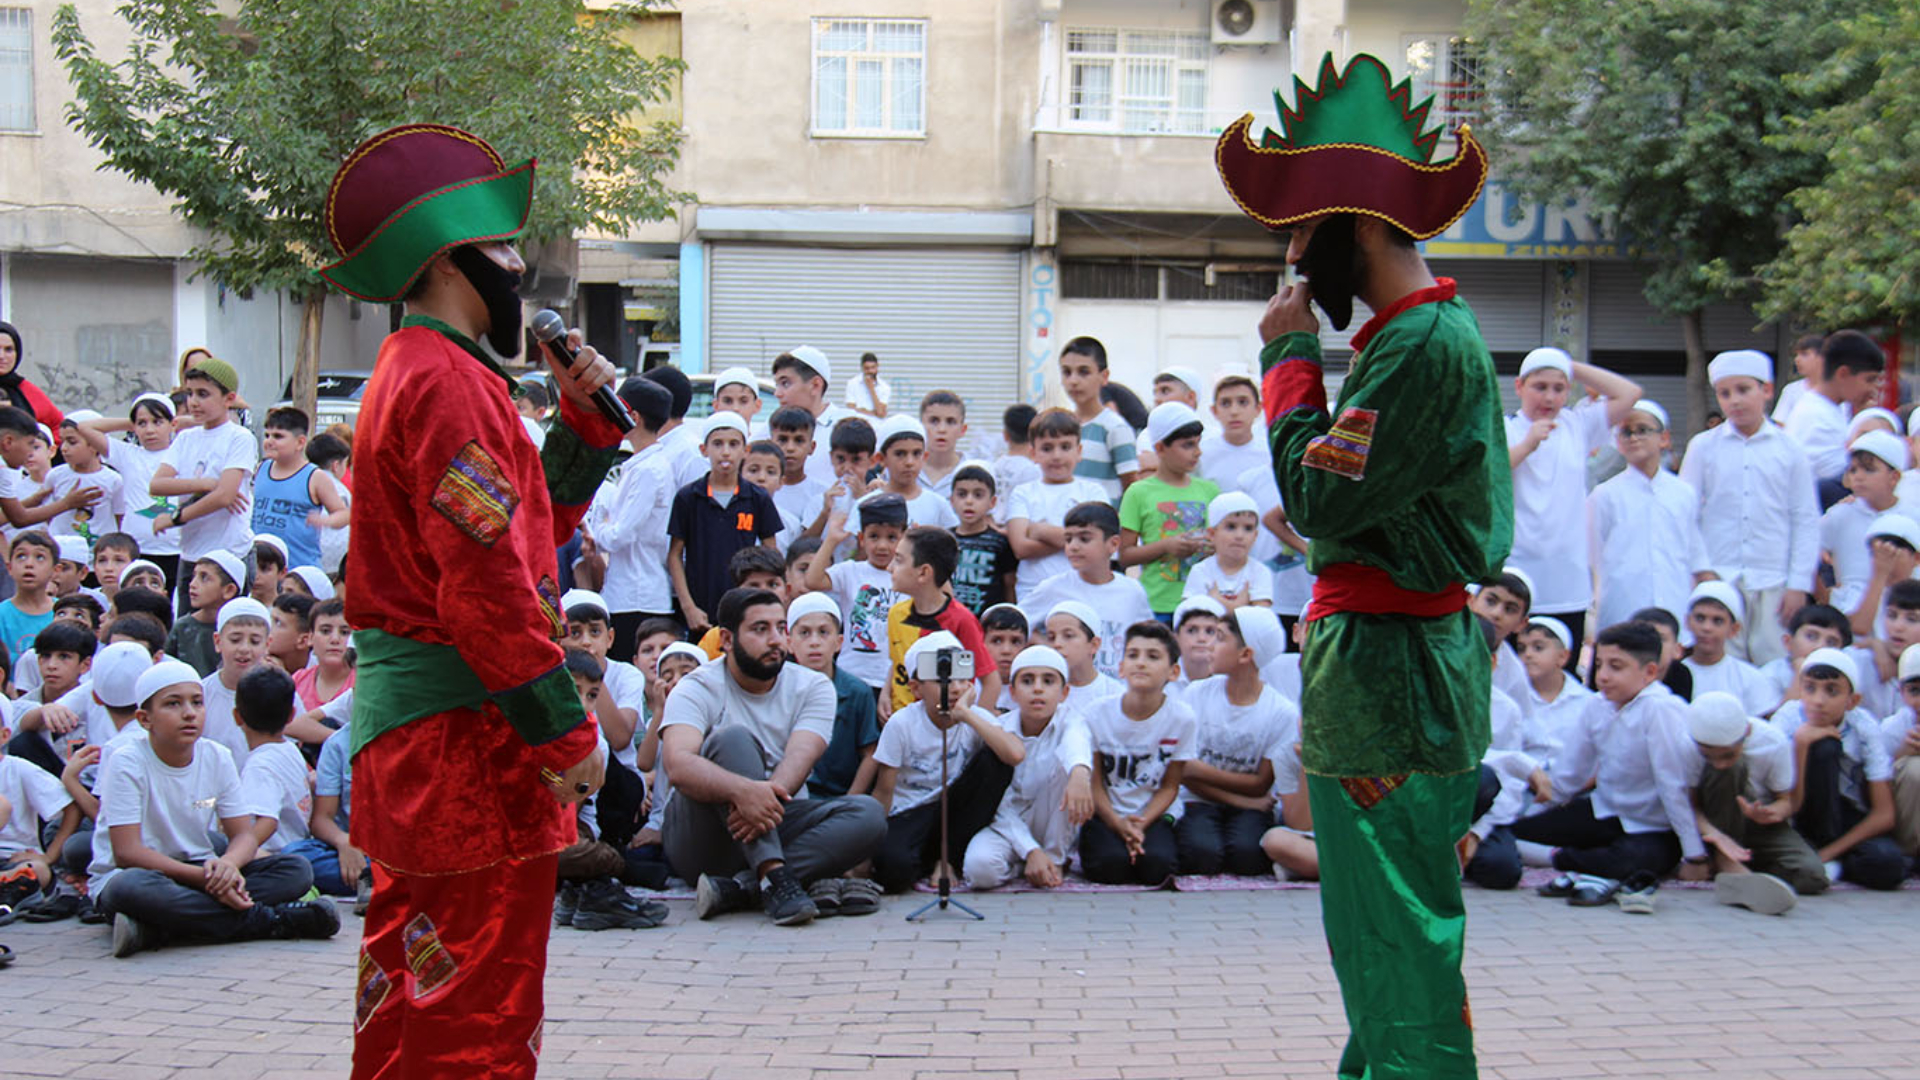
column 1356, row 143
column 410, row 193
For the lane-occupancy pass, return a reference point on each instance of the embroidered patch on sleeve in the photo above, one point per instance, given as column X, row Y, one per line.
column 1367, row 791
column 475, row 494
column 548, row 594
column 1343, row 451
column 371, row 991
column 427, row 958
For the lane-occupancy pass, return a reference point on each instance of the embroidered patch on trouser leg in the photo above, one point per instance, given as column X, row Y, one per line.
column 370, row 991
column 1343, row 451
column 427, row 958
column 1367, row 791
column 475, row 494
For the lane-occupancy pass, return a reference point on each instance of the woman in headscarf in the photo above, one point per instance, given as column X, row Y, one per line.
column 20, row 393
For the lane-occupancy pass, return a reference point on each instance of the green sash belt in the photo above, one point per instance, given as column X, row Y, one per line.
column 399, row 680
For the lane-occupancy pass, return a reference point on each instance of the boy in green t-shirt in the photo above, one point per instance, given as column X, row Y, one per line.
column 1163, row 518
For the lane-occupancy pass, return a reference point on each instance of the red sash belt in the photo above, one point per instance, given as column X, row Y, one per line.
column 1367, row 590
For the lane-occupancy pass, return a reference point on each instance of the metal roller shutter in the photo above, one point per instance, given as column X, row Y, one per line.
column 939, row 319
column 1508, row 297
column 1619, row 317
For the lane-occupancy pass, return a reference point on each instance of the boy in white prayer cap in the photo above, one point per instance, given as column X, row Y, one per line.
column 1742, row 784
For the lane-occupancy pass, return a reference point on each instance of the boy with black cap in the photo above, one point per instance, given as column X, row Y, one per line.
column 637, row 585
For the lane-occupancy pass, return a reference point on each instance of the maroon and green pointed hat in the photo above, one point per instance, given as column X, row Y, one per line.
column 1356, row 143
column 410, row 193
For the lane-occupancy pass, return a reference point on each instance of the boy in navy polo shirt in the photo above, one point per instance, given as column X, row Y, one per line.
column 712, row 518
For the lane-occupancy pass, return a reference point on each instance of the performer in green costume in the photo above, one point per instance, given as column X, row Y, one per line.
column 1405, row 494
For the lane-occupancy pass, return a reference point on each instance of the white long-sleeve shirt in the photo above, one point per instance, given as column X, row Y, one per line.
column 1819, row 424
column 1030, row 816
column 1759, row 512
column 633, row 534
column 1549, row 723
column 1549, row 488
column 1732, row 675
column 1843, row 536
column 1513, row 768
column 1644, row 533
column 1637, row 757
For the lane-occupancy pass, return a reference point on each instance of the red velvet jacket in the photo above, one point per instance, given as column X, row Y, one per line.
column 454, row 534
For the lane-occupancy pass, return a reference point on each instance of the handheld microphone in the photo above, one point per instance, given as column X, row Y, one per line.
column 549, row 330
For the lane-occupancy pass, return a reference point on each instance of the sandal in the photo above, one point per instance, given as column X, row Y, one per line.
column 859, row 896
column 1559, row 886
column 825, row 895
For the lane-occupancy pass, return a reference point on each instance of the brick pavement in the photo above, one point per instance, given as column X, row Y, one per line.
column 1049, row 987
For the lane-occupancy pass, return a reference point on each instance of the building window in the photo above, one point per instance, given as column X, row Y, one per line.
column 1137, row 82
column 870, row 77
column 1446, row 69
column 16, row 69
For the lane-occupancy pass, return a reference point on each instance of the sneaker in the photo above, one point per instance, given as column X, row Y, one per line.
column 1635, row 894
column 719, row 895
column 565, row 903
column 785, row 900
column 858, row 896
column 90, row 915
column 310, row 919
column 363, row 893
column 1763, row 894
column 825, row 895
column 604, row 905
column 130, row 936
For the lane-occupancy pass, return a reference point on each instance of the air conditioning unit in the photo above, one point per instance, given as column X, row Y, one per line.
column 1248, row 22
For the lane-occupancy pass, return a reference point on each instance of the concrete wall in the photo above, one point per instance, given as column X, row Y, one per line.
column 1144, row 336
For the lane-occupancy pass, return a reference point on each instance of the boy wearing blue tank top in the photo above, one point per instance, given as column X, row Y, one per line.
column 292, row 498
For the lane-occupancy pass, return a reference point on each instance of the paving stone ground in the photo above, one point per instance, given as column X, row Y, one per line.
column 1047, row 988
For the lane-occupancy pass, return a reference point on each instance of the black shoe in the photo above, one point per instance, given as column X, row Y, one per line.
column 311, row 919
column 57, row 906
column 604, row 905
column 90, row 915
column 1559, row 887
column 363, row 892
column 20, row 893
column 1591, row 890
column 719, row 895
column 786, row 900
column 565, row 903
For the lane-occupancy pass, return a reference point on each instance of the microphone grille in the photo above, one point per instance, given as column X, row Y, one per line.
column 547, row 325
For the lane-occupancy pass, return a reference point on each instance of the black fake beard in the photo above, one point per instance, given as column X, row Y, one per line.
column 752, row 668
column 1331, row 265
column 499, row 290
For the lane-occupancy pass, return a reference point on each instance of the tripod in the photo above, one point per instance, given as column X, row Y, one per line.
column 945, row 883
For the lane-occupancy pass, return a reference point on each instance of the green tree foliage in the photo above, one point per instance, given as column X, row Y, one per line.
column 1853, row 259
column 1665, row 113
column 242, row 110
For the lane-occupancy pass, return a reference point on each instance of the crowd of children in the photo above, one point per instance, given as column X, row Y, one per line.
column 1126, row 610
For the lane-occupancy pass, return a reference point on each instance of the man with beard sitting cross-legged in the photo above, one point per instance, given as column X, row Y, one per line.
column 740, row 735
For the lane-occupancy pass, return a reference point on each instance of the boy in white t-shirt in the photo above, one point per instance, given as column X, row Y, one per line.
column 154, row 871
column 83, row 468
column 1815, row 626
column 1900, row 735
column 1230, row 575
column 1243, row 724
column 1714, row 614
column 275, row 782
column 1742, row 783
column 1071, row 629
column 1092, row 534
column 209, row 467
column 903, row 447
column 1548, row 446
column 1226, row 455
column 1196, row 625
column 864, row 588
column 1037, row 510
column 1051, row 793
column 1874, row 464
column 29, row 797
column 975, row 758
column 1142, row 740
column 240, row 637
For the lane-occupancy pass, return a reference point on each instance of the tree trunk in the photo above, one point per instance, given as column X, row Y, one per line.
column 306, row 361
column 1693, row 332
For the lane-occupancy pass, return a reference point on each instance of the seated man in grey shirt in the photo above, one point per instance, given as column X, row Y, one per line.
column 740, row 736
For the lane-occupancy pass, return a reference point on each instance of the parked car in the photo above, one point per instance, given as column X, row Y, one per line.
column 337, row 400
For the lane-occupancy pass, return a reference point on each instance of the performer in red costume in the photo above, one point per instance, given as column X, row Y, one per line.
column 470, row 748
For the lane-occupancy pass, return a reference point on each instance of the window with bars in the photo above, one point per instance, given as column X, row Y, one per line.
column 1446, row 69
column 1137, row 82
column 870, row 77
column 1154, row 279
column 16, row 69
